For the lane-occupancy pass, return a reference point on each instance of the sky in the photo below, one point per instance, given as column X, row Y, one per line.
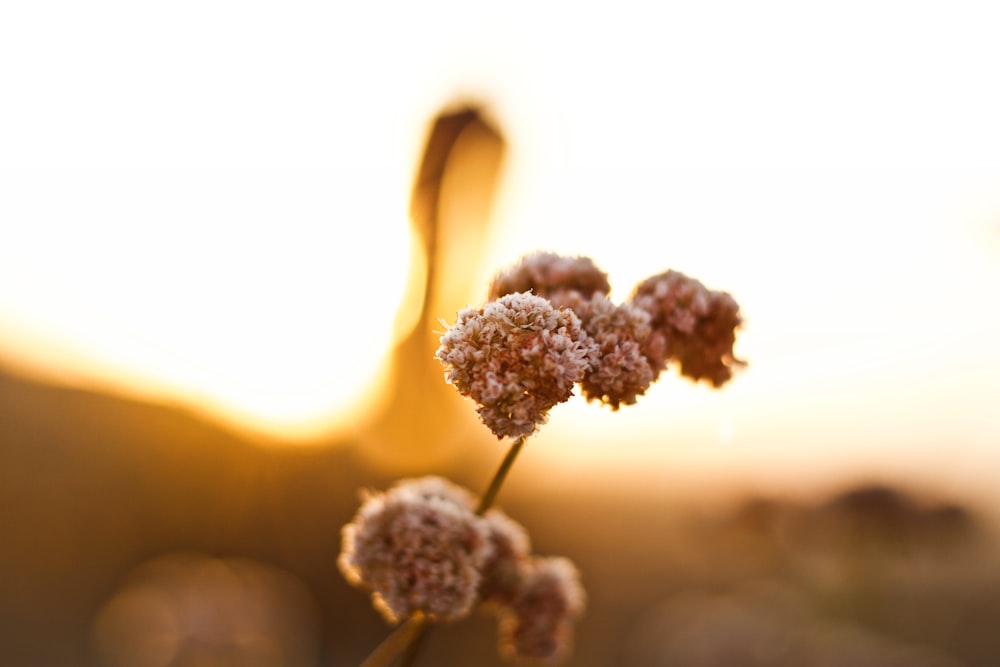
column 206, row 203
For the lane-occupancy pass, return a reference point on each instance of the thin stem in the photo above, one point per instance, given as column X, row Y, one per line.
column 414, row 646
column 398, row 642
column 500, row 475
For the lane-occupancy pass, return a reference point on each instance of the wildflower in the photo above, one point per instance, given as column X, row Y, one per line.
column 621, row 372
column 691, row 324
column 539, row 623
column 418, row 547
column 506, row 567
column 517, row 357
column 544, row 273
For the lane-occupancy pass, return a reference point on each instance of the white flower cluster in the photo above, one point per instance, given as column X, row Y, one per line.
column 622, row 372
column 623, row 347
column 417, row 547
column 516, row 357
column 421, row 547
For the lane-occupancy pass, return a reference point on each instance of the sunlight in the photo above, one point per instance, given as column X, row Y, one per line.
column 229, row 230
column 240, row 289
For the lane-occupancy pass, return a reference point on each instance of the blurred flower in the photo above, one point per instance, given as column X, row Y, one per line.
column 545, row 273
column 418, row 547
column 507, row 566
column 517, row 357
column 538, row 625
column 186, row 608
column 691, row 324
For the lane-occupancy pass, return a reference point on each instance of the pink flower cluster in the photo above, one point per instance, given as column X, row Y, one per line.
column 420, row 546
column 549, row 324
column 692, row 325
column 517, row 357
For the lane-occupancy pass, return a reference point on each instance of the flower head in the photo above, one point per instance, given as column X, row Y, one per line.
column 691, row 324
column 539, row 623
column 621, row 372
column 418, row 547
column 544, row 273
column 516, row 357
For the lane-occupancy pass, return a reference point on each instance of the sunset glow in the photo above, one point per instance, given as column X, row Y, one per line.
column 229, row 230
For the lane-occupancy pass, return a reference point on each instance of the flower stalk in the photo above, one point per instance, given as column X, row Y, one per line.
column 490, row 496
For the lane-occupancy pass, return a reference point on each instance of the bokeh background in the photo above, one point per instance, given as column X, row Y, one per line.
column 227, row 234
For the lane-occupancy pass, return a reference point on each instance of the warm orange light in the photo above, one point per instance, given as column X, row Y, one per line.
column 847, row 197
column 265, row 296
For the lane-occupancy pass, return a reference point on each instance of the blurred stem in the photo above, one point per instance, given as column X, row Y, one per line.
column 414, row 646
column 500, row 475
column 398, row 643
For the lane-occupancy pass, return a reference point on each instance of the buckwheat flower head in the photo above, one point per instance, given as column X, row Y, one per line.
column 691, row 324
column 507, row 565
column 516, row 357
column 538, row 626
column 544, row 273
column 417, row 547
column 621, row 372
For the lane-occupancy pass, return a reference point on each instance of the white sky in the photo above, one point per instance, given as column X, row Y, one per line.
column 211, row 196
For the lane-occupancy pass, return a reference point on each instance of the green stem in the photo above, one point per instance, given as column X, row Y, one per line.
column 500, row 475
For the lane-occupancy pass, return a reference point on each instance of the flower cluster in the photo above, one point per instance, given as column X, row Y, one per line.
column 545, row 273
column 622, row 372
column 691, row 324
column 622, row 349
column 517, row 357
column 538, row 625
column 420, row 547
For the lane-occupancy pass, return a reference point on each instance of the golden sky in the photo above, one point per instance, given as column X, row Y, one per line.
column 206, row 202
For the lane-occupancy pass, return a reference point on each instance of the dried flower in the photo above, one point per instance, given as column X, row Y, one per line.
column 516, row 357
column 418, row 547
column 545, row 273
column 508, row 562
column 622, row 372
column 539, row 623
column 691, row 324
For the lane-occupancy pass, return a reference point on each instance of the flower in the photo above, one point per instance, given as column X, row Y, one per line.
column 516, row 357
column 507, row 565
column 418, row 547
column 538, row 625
column 621, row 372
column 544, row 273
column 691, row 324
